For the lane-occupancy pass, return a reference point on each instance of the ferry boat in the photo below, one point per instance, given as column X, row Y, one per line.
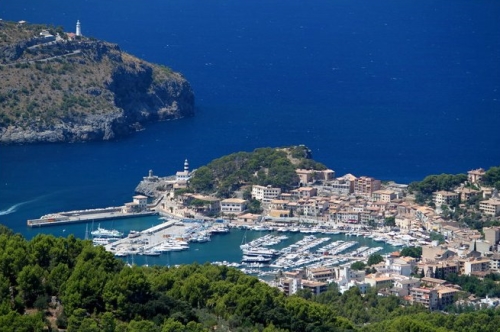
column 255, row 259
column 102, row 232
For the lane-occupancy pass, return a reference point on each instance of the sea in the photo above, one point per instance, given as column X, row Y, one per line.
column 392, row 89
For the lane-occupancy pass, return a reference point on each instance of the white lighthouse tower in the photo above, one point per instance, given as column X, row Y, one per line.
column 78, row 28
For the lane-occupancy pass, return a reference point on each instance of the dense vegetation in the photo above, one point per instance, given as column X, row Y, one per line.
column 423, row 190
column 50, row 283
column 264, row 166
column 492, row 177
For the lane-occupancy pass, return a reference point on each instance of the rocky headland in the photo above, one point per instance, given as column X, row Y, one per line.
column 57, row 87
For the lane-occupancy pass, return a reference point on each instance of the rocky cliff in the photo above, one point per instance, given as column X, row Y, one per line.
column 60, row 88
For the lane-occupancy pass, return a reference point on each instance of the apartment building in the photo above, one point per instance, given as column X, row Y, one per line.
column 365, row 186
column 265, row 193
column 444, row 197
column 322, row 274
column 383, row 195
column 475, row 175
column 233, row 205
column 427, row 297
column 490, row 207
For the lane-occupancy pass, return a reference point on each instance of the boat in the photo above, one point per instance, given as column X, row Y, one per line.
column 102, row 232
column 133, row 234
column 102, row 241
column 152, row 252
column 255, row 259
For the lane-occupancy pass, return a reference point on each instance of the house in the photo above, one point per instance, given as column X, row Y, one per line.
column 402, row 287
column 378, row 281
column 233, row 205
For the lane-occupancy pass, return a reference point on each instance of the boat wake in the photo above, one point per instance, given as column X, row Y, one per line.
column 15, row 207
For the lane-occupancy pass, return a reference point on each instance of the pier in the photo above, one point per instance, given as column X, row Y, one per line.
column 80, row 216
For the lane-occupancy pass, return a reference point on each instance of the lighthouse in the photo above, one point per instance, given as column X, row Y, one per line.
column 78, row 28
column 186, row 166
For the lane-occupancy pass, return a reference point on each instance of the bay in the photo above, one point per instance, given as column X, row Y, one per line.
column 389, row 89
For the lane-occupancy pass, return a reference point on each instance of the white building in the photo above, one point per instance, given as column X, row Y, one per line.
column 265, row 194
column 233, row 205
column 78, row 28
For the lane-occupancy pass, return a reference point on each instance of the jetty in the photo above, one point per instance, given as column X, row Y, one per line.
column 79, row 216
column 137, row 208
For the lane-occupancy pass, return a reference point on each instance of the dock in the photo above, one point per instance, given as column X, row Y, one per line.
column 79, row 216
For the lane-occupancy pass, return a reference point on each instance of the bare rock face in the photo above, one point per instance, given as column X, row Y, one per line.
column 83, row 90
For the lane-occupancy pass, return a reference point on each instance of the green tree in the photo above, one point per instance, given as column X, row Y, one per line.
column 390, row 221
column 375, row 259
column 358, row 266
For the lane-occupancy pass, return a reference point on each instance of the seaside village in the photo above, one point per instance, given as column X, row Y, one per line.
column 358, row 207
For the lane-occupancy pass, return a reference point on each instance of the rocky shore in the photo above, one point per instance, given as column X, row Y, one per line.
column 77, row 90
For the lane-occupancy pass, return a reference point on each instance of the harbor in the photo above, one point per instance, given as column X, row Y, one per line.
column 261, row 253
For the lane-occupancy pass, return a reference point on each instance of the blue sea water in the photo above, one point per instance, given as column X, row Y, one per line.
column 391, row 89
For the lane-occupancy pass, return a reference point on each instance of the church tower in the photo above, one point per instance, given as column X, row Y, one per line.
column 78, row 28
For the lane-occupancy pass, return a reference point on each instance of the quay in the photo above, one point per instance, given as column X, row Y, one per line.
column 137, row 208
column 80, row 216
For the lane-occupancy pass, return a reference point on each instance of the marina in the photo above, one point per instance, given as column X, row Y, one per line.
column 174, row 242
column 260, row 248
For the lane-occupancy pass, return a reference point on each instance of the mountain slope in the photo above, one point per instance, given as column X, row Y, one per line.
column 57, row 87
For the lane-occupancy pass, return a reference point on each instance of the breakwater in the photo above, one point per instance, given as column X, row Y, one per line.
column 85, row 216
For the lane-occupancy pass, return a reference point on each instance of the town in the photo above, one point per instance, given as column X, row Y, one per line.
column 361, row 206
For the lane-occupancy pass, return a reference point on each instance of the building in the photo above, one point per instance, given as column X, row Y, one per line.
column 377, row 281
column 304, row 192
column 475, row 175
column 365, row 186
column 444, row 197
column 446, row 296
column 402, row 287
column 427, row 297
column 467, row 193
column 490, row 207
column 475, row 265
column 383, row 195
column 182, row 177
column 322, row 274
column 343, row 185
column 495, row 262
column 265, row 194
column 139, row 203
column 316, row 287
column 233, row 205
column 306, row 176
column 78, row 31
column 492, row 235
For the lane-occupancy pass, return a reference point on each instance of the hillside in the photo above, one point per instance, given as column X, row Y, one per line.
column 57, row 87
column 265, row 166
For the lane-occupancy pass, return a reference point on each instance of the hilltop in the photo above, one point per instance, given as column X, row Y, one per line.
column 58, row 87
